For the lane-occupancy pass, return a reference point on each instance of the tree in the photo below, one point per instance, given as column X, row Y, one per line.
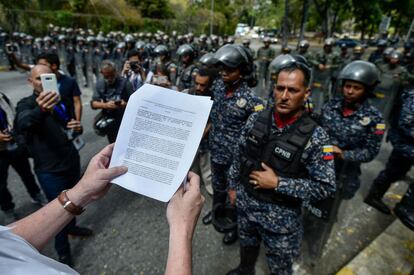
column 367, row 15
column 158, row 9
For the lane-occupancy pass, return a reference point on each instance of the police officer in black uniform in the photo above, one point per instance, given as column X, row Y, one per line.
column 187, row 70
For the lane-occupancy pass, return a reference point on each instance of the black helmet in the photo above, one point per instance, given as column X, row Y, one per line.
column 382, row 43
column 91, row 39
column 161, row 50
column 224, row 218
column 396, row 55
column 232, row 56
column 387, row 52
column 140, row 45
column 361, row 71
column 329, row 42
column 286, row 60
column 186, row 49
column 304, row 44
column 207, row 59
column 62, row 37
column 129, row 38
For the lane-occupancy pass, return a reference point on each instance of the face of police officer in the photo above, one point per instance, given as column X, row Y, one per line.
column 230, row 75
column 353, row 91
column 290, row 93
column 202, row 84
column 35, row 80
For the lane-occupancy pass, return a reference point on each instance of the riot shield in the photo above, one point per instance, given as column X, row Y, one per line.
column 320, row 90
column 384, row 95
column 321, row 216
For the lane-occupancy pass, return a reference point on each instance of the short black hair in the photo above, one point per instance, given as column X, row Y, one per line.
column 296, row 66
column 51, row 58
column 212, row 73
column 132, row 53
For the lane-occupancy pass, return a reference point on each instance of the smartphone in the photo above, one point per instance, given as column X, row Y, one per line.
column 49, row 83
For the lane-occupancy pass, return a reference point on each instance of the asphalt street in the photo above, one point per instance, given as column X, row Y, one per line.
column 131, row 231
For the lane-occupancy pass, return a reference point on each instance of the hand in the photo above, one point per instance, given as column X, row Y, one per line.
column 95, row 183
column 5, row 137
column 122, row 104
column 111, row 105
column 75, row 125
column 126, row 68
column 185, row 206
column 321, row 67
column 232, row 196
column 266, row 179
column 338, row 152
column 47, row 100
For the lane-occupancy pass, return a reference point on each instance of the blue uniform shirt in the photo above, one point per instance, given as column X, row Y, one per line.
column 359, row 135
column 228, row 116
column 402, row 134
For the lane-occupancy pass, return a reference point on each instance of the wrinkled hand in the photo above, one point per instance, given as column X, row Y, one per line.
column 232, row 196
column 185, row 206
column 95, row 183
column 338, row 152
column 47, row 100
column 266, row 179
column 75, row 125
column 4, row 137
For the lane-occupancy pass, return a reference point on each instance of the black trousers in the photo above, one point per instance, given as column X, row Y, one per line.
column 396, row 168
column 18, row 159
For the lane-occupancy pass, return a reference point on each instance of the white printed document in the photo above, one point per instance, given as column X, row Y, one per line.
column 158, row 139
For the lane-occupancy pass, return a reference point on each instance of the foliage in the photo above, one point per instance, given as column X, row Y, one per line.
column 326, row 16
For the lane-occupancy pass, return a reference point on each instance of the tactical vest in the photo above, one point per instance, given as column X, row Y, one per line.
column 281, row 152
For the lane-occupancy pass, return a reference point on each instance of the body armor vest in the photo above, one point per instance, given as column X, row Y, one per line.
column 282, row 152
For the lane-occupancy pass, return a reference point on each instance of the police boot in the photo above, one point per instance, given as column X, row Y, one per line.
column 218, row 197
column 374, row 197
column 248, row 257
column 404, row 210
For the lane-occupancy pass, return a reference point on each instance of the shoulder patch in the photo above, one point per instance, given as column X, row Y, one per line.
column 258, row 108
column 241, row 102
column 380, row 129
column 327, row 152
column 365, row 121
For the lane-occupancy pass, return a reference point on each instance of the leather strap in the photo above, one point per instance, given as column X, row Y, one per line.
column 68, row 205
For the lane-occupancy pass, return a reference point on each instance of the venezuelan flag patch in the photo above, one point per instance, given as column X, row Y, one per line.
column 380, row 129
column 328, row 152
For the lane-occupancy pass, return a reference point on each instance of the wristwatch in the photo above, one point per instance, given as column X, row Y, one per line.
column 68, row 205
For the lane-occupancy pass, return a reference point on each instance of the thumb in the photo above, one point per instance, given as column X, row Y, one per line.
column 265, row 167
column 111, row 173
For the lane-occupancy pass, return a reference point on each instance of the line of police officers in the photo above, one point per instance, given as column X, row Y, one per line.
column 285, row 165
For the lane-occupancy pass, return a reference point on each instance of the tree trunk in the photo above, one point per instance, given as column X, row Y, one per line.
column 304, row 20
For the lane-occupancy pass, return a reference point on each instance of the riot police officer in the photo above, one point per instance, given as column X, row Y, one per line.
column 264, row 56
column 187, row 70
column 162, row 54
column 377, row 54
column 279, row 167
column 401, row 135
column 234, row 102
column 246, row 44
column 326, row 62
column 355, row 127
